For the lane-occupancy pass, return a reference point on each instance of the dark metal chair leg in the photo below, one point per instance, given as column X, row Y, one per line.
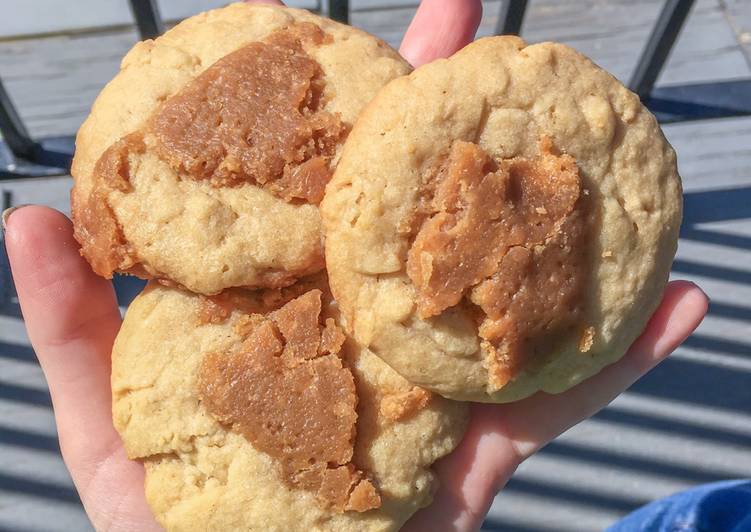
column 147, row 17
column 12, row 127
column 339, row 10
column 20, row 155
column 511, row 17
column 657, row 50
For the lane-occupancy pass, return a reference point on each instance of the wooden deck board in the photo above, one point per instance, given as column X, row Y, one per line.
column 646, row 444
column 739, row 18
column 54, row 80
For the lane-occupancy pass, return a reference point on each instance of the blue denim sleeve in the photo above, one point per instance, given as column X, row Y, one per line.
column 718, row 507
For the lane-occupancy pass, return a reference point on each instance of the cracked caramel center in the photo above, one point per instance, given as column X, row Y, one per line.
column 287, row 392
column 509, row 236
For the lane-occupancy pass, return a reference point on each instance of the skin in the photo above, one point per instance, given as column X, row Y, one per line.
column 72, row 320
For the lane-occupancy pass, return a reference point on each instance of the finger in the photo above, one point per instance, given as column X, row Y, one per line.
column 467, row 476
column 501, row 436
column 70, row 313
column 533, row 422
column 440, row 28
column 72, row 318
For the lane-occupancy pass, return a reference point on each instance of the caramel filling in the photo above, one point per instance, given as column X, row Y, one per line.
column 219, row 307
column 288, row 393
column 255, row 116
column 96, row 229
column 509, row 237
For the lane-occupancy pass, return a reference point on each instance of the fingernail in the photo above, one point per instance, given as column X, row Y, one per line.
column 10, row 210
column 700, row 289
column 709, row 299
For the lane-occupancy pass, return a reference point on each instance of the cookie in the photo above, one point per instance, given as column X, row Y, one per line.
column 203, row 161
column 251, row 410
column 502, row 222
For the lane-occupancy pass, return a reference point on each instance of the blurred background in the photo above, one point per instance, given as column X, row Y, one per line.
column 688, row 422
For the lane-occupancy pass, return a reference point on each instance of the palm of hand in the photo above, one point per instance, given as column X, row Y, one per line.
column 72, row 319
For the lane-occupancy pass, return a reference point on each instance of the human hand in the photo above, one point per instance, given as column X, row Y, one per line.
column 500, row 437
column 72, row 319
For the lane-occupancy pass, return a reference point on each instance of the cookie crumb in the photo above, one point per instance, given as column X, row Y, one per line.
column 497, row 365
column 587, row 339
column 332, row 338
column 364, row 497
column 402, row 405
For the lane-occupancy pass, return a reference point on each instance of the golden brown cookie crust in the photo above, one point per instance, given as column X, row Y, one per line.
column 170, row 214
column 504, row 97
column 203, row 473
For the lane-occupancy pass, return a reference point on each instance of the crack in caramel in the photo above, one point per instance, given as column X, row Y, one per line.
column 509, row 236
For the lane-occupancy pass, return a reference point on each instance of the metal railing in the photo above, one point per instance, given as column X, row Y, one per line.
column 22, row 156
column 147, row 17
